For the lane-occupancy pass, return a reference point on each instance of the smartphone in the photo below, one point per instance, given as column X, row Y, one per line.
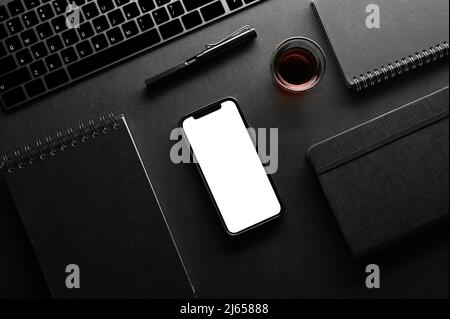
column 242, row 192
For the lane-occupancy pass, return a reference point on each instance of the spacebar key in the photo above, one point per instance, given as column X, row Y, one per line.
column 113, row 54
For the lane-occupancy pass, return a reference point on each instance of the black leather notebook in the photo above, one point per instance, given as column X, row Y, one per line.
column 86, row 200
column 388, row 178
column 411, row 34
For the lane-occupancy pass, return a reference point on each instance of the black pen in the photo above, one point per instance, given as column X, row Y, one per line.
column 238, row 37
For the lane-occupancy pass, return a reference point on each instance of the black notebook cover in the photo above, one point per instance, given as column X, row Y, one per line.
column 412, row 33
column 91, row 203
column 388, row 178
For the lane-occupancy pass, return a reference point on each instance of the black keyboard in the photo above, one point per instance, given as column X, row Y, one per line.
column 41, row 52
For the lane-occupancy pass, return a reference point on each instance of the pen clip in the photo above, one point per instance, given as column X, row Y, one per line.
column 231, row 36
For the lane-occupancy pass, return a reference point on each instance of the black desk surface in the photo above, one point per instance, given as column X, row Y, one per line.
column 302, row 255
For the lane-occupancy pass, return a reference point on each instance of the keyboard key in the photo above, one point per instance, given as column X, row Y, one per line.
column 60, row 6
column 24, row 57
column 38, row 69
column 53, row 62
column 13, row 44
column 171, row 29
column 100, row 24
column 54, row 44
column 79, row 2
column 85, row 31
column 175, row 9
column 192, row 20
column 84, row 49
column 14, row 97
column 59, row 24
column 160, row 15
column 194, row 4
column 16, row 7
column 35, row 88
column 3, row 13
column 146, row 5
column 13, row 79
column 114, row 36
column 131, row 11
column 116, row 17
column 234, row 4
column 30, row 4
column 44, row 30
column 29, row 37
column 69, row 55
column 7, row 64
column 130, row 29
column 45, row 12
column 113, row 54
column 121, row 2
column 212, row 11
column 70, row 37
column 90, row 10
column 3, row 32
column 3, row 51
column 99, row 42
column 39, row 51
column 162, row 2
column 14, row 25
column 30, row 19
column 56, row 79
column 105, row 5
column 145, row 22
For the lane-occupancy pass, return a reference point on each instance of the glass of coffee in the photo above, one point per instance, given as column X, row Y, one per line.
column 298, row 64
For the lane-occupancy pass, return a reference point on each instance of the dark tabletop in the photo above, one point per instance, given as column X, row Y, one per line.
column 303, row 254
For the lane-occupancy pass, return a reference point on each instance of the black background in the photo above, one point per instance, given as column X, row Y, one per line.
column 301, row 255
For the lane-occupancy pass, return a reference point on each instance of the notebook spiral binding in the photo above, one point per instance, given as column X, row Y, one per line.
column 401, row 66
column 62, row 142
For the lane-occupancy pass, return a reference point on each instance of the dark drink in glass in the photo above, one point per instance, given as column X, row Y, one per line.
column 298, row 64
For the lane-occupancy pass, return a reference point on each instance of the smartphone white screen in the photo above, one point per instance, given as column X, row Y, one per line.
column 232, row 168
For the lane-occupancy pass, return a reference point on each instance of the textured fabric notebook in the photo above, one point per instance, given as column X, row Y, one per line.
column 411, row 33
column 87, row 201
column 388, row 178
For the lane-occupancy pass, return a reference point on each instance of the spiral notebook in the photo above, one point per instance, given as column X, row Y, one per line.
column 411, row 34
column 86, row 200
